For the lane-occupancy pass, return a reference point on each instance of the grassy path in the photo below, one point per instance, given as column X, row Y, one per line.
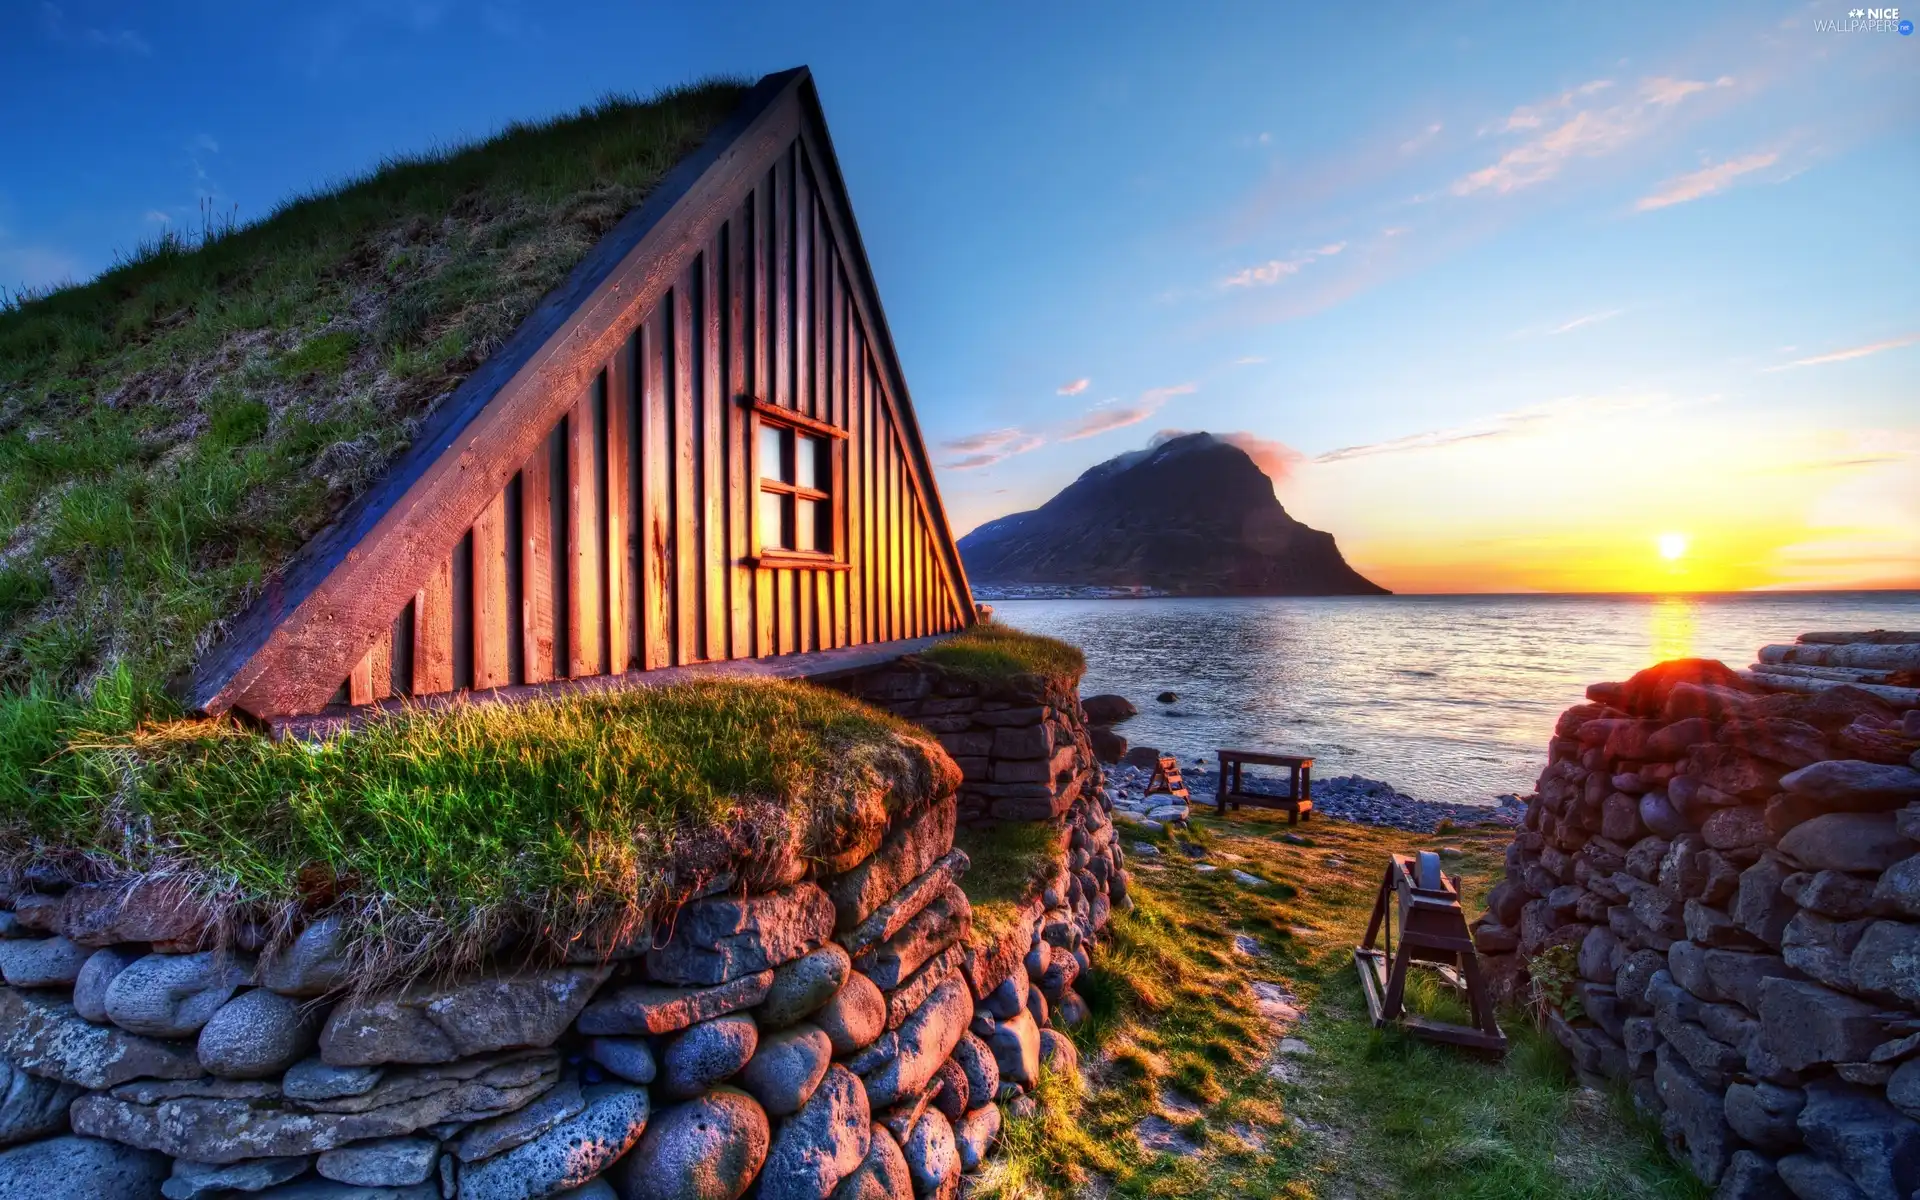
column 1190, row 1088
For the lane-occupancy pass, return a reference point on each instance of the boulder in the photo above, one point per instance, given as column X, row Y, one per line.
column 1658, row 814
column 1780, row 740
column 1899, row 888
column 650, row 1009
column 1108, row 746
column 313, row 964
column 227, row 1120
column 1847, row 841
column 1874, row 1144
column 80, row 1168
column 1738, row 828
column 1736, row 975
column 41, row 962
column 1903, row 1087
column 214, row 1181
column 497, row 1135
column 1811, row 1177
column 382, row 1162
column 566, row 1156
column 443, row 1023
column 44, row 1036
column 855, row 1017
column 1107, row 709
column 925, row 1041
column 1807, row 1024
column 982, row 1069
column 786, row 1067
column 1016, row 1049
column 704, row 1054
column 1620, row 818
column 1850, row 785
column 1647, row 692
column 31, row 1107
column 881, row 1175
column 90, row 986
column 903, row 857
column 1886, row 961
column 311, row 1079
column 1696, row 1110
column 801, row 987
column 933, row 1161
column 1751, row 1176
column 173, row 995
column 710, row 1148
column 1765, row 1115
column 821, row 1144
column 1834, row 894
column 951, row 1093
column 974, row 1134
column 324, row 1189
column 943, row 921
column 1734, row 773
column 257, row 1034
column 1823, row 949
column 629, row 1058
column 153, row 908
column 1708, row 926
column 1058, row 1054
column 724, row 937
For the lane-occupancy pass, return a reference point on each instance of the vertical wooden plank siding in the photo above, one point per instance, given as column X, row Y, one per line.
column 627, row 541
column 491, row 620
column 619, row 509
column 583, row 537
column 656, row 461
column 713, row 451
column 433, row 632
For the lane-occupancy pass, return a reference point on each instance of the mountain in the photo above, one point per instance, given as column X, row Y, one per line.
column 1193, row 516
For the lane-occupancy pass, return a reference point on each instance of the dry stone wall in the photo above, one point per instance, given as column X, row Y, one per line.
column 1716, row 888
column 846, row 1035
column 1022, row 744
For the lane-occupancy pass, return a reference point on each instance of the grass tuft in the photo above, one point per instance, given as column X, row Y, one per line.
column 994, row 653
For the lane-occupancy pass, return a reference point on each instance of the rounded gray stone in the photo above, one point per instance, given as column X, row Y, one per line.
column 257, row 1034
column 974, row 1135
column 30, row 1106
column 100, row 969
column 855, row 1016
column 983, row 1072
column 42, row 962
column 173, row 995
column 881, row 1175
column 821, row 1144
column 786, row 1068
column 80, row 1168
column 710, row 1148
column 382, row 1162
column 803, row 985
column 629, row 1058
column 566, row 1156
column 932, row 1157
column 204, row 1181
column 707, row 1053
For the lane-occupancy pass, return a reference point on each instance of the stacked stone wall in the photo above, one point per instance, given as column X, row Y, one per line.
column 844, row 1033
column 1022, row 745
column 1715, row 894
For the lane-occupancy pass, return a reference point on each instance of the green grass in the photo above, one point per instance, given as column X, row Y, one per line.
column 434, row 832
column 172, row 431
column 1363, row 1112
column 1009, row 860
column 994, row 653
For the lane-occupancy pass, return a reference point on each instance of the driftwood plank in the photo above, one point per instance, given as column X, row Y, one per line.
column 656, row 476
column 490, row 616
column 360, row 681
column 536, row 565
column 620, row 607
column 433, row 632
column 584, row 635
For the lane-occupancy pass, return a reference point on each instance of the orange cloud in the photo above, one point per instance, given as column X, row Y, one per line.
column 1704, row 182
column 1849, row 354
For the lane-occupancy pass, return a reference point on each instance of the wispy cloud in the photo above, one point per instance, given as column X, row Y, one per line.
column 1500, row 425
column 1247, row 360
column 54, row 23
column 1113, row 414
column 1589, row 319
column 1573, row 126
column 978, row 450
column 1850, row 353
column 1072, row 389
column 1275, row 270
column 1704, row 182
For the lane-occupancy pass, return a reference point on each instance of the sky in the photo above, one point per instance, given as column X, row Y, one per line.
column 1556, row 297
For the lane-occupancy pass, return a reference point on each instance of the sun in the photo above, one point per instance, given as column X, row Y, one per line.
column 1672, row 545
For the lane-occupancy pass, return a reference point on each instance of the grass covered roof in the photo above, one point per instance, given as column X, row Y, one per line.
column 171, row 432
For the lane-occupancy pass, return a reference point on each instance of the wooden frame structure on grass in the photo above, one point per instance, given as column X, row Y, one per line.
column 587, row 504
column 1433, row 934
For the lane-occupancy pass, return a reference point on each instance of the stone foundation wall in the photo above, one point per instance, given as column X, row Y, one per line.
column 1720, row 884
column 1022, row 746
column 847, row 1034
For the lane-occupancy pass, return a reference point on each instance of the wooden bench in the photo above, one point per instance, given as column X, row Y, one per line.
column 1166, row 780
column 1299, row 798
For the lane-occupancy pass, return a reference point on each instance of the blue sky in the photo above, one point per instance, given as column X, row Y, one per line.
column 1499, row 293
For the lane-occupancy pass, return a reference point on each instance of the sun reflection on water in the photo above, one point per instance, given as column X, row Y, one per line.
column 1670, row 628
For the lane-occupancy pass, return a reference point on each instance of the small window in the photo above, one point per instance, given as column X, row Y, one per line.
column 797, row 460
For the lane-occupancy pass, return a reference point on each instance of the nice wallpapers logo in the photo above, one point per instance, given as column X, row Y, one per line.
column 1867, row 20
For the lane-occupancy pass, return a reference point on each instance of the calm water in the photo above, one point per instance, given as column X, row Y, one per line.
column 1446, row 697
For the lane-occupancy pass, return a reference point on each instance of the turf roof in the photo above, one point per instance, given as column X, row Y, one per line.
column 171, row 432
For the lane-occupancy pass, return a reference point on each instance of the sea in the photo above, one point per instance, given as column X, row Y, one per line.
column 1447, row 698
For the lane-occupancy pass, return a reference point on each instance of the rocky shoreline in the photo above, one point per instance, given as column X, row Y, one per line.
column 1344, row 797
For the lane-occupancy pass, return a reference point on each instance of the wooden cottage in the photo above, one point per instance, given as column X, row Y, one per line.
column 699, row 450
